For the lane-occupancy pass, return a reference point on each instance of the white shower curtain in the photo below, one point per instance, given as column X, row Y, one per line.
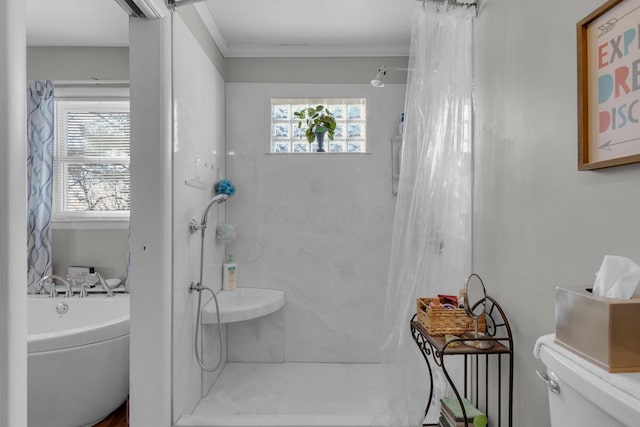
column 431, row 249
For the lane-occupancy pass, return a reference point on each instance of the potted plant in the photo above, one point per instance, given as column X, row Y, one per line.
column 318, row 121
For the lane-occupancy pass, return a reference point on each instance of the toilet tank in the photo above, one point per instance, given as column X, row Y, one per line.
column 587, row 395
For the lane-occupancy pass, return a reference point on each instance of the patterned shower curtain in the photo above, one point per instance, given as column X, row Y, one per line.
column 40, row 128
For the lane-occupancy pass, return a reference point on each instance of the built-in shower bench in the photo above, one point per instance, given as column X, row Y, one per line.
column 243, row 304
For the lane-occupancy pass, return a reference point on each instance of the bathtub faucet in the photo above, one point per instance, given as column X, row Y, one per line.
column 53, row 292
column 97, row 277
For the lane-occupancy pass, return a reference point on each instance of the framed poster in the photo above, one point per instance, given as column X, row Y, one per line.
column 609, row 86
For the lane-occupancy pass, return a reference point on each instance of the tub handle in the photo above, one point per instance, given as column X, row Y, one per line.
column 551, row 380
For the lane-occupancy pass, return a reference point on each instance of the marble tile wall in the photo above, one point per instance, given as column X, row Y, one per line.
column 198, row 99
column 257, row 340
column 317, row 226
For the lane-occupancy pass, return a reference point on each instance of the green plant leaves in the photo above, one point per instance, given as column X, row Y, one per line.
column 318, row 119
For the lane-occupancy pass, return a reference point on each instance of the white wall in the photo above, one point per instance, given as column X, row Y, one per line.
column 198, row 99
column 77, row 63
column 13, row 215
column 151, row 223
column 538, row 222
column 106, row 250
column 340, row 70
column 317, row 226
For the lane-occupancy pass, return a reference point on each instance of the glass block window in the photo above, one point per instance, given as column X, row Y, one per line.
column 91, row 159
column 351, row 125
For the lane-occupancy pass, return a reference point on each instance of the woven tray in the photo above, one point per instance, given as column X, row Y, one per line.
column 441, row 322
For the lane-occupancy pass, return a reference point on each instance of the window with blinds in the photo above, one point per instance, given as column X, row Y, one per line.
column 91, row 159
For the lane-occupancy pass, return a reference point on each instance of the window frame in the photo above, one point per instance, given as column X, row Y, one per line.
column 95, row 219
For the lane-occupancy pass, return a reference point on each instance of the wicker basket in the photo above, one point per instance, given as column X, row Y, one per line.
column 441, row 322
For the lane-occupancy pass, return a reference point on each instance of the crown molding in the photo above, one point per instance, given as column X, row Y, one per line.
column 212, row 26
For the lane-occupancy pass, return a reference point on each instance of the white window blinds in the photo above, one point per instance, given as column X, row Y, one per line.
column 91, row 159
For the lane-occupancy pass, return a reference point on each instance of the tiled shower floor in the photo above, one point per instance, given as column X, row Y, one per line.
column 292, row 394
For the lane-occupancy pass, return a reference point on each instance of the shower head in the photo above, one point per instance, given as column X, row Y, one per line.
column 194, row 225
column 218, row 198
column 382, row 74
column 379, row 80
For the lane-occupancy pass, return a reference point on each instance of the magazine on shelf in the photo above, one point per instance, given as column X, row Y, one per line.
column 452, row 412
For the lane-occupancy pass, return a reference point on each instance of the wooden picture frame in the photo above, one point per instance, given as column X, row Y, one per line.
column 609, row 86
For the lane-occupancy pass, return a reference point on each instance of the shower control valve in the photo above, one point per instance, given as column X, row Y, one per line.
column 195, row 226
column 195, row 287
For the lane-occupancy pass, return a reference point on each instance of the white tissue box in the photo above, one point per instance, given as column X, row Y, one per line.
column 601, row 330
column 79, row 274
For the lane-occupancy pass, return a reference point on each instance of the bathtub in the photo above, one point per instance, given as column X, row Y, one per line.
column 78, row 363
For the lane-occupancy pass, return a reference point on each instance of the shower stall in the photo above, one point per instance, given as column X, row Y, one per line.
column 317, row 227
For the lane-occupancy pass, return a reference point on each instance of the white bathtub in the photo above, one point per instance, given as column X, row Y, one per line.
column 78, row 365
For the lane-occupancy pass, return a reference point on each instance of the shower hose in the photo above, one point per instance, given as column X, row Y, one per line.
column 199, row 287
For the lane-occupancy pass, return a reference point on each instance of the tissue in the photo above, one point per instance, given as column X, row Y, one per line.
column 618, row 277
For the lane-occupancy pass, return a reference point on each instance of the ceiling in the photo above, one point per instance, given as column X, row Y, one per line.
column 76, row 23
column 243, row 27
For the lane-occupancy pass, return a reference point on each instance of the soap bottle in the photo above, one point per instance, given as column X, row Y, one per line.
column 229, row 275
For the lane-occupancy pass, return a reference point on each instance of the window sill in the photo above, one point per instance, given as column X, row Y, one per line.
column 328, row 153
column 91, row 224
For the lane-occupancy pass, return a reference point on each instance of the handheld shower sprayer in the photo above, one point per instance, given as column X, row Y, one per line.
column 194, row 225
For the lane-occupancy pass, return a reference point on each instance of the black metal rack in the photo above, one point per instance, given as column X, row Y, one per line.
column 498, row 331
